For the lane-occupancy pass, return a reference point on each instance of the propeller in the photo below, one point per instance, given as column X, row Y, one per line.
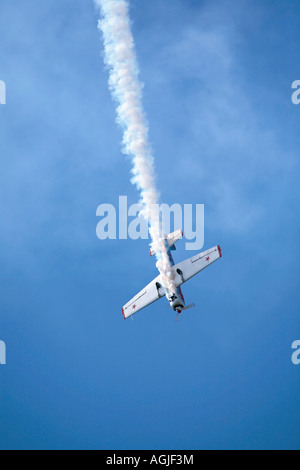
column 189, row 306
column 185, row 308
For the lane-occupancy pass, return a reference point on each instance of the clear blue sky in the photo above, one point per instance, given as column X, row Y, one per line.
column 217, row 94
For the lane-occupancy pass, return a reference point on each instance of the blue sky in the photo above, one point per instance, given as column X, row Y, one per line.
column 225, row 133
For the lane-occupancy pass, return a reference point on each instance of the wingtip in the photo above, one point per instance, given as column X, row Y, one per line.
column 123, row 313
column 220, row 251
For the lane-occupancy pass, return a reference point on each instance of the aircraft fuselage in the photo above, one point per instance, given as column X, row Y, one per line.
column 176, row 300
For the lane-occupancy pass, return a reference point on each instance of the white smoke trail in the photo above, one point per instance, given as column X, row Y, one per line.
column 126, row 89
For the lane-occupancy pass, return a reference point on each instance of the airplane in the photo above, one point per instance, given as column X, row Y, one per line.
column 183, row 272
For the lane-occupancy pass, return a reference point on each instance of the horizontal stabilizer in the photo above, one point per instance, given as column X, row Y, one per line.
column 171, row 239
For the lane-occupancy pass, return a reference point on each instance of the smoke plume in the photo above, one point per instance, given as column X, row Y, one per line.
column 126, row 89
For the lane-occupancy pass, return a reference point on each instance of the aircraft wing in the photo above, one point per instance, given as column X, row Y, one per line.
column 152, row 292
column 192, row 266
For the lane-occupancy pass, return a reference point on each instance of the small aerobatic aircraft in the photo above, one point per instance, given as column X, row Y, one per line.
column 183, row 272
